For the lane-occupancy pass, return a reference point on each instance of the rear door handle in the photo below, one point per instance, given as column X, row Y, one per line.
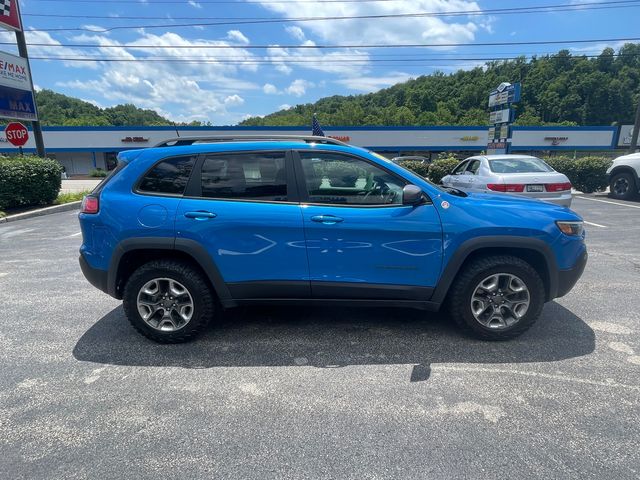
column 326, row 219
column 200, row 215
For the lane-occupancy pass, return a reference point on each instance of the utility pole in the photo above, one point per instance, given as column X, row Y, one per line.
column 636, row 128
column 37, row 129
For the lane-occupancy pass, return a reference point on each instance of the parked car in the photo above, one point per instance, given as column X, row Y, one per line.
column 512, row 174
column 411, row 158
column 624, row 177
column 179, row 232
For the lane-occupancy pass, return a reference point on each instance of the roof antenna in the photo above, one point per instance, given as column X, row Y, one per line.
column 176, row 127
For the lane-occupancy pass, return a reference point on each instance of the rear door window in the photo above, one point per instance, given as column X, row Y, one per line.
column 245, row 176
column 473, row 167
column 169, row 176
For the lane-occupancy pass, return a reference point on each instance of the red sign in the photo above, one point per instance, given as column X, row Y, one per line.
column 17, row 134
column 10, row 15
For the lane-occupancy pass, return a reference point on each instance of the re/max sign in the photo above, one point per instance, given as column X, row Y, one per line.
column 13, row 68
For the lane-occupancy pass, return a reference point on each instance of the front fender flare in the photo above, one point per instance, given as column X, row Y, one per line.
column 499, row 241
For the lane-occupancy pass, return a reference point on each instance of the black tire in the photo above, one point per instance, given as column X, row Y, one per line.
column 204, row 305
column 460, row 295
column 623, row 186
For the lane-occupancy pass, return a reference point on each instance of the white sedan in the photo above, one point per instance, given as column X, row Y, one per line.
column 512, row 174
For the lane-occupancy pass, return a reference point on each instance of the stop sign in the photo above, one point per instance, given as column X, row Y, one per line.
column 17, row 134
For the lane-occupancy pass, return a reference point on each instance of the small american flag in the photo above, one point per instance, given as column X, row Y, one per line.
column 316, row 129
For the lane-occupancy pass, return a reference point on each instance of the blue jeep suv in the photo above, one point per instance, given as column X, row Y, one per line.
column 195, row 225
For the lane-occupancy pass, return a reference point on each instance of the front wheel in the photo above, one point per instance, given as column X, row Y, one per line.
column 497, row 298
column 623, row 186
column 168, row 301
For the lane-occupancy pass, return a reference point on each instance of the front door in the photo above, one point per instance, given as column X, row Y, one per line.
column 243, row 208
column 362, row 242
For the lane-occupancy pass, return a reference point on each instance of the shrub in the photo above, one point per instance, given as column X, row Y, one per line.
column 28, row 180
column 420, row 168
column 587, row 174
column 71, row 197
column 342, row 174
column 98, row 173
column 442, row 167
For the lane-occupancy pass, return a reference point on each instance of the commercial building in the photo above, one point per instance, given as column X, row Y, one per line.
column 80, row 149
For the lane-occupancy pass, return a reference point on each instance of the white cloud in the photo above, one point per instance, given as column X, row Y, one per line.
column 233, row 100
column 198, row 91
column 194, row 4
column 436, row 30
column 371, row 84
column 37, row 87
column 269, row 89
column 295, row 32
column 237, row 36
column 284, row 106
column 298, row 87
column 346, row 62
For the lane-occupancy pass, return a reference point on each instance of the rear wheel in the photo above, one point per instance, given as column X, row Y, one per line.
column 623, row 186
column 168, row 301
column 496, row 298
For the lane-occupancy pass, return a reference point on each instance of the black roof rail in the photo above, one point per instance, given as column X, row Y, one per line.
column 180, row 141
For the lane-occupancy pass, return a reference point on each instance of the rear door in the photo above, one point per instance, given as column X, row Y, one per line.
column 243, row 208
column 362, row 242
column 470, row 179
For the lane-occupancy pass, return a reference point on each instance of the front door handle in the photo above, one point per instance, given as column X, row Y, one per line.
column 326, row 219
column 200, row 215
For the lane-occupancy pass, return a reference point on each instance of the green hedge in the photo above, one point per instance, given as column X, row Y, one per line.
column 28, row 180
column 441, row 168
column 420, row 168
column 587, row 174
column 98, row 173
column 433, row 171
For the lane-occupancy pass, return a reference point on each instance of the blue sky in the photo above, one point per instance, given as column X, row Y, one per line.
column 237, row 82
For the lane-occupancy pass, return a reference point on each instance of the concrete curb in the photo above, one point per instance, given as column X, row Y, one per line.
column 65, row 207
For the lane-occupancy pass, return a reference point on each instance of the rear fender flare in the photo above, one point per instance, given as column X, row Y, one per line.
column 190, row 247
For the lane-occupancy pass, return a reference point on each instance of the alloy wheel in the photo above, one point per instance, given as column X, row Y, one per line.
column 500, row 301
column 621, row 186
column 165, row 304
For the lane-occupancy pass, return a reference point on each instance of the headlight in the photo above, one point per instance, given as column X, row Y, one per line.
column 571, row 228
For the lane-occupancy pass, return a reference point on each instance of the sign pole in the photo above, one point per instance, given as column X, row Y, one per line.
column 37, row 129
column 636, row 128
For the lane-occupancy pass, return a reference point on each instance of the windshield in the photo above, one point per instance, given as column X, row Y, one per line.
column 439, row 187
column 519, row 165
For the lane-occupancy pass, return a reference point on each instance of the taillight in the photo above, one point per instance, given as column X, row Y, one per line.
column 558, row 187
column 506, row 187
column 90, row 204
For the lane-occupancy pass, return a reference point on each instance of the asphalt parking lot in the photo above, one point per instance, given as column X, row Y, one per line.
column 317, row 393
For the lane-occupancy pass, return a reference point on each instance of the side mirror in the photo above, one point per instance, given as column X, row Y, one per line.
column 412, row 195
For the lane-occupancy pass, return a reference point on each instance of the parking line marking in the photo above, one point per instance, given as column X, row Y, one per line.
column 606, row 201
column 595, row 224
column 75, row 234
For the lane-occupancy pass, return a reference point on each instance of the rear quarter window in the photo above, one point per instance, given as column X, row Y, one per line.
column 169, row 176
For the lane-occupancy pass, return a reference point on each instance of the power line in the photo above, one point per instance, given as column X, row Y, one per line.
column 327, row 47
column 214, row 2
column 248, row 21
column 297, row 61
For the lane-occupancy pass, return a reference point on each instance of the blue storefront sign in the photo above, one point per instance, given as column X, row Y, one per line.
column 18, row 104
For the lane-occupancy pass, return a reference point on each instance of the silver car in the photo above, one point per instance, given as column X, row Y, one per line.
column 511, row 174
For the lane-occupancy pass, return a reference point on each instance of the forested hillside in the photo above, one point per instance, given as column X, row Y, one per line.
column 557, row 89
column 57, row 109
